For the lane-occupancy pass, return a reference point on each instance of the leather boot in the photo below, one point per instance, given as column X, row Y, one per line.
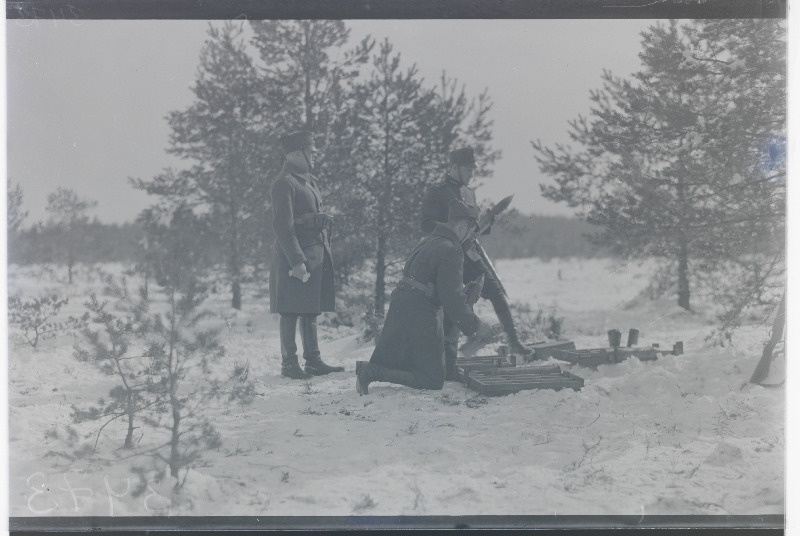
column 364, row 375
column 290, row 368
column 367, row 372
column 314, row 364
column 504, row 315
column 450, row 370
column 451, row 334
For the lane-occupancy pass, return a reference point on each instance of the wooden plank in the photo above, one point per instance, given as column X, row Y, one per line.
column 495, row 382
column 590, row 357
column 643, row 353
column 465, row 365
column 549, row 349
column 497, row 360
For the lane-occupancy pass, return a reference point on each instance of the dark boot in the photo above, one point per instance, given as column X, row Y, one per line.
column 367, row 372
column 504, row 315
column 364, row 375
column 451, row 371
column 290, row 368
column 451, row 333
column 314, row 364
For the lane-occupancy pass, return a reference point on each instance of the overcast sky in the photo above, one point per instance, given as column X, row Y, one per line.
column 87, row 100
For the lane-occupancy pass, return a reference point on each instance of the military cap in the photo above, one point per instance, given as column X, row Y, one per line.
column 463, row 157
column 457, row 209
column 297, row 141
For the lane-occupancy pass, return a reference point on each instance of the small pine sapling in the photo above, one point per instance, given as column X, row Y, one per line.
column 183, row 363
column 36, row 318
column 110, row 349
column 183, row 350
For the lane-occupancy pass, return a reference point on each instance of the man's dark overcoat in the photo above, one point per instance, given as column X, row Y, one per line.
column 295, row 196
column 412, row 337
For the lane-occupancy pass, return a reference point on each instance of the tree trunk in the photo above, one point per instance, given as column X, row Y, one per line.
column 236, row 300
column 70, row 262
column 380, row 267
column 762, row 369
column 234, row 262
column 380, row 275
column 173, row 368
column 683, row 274
column 174, row 451
column 683, row 247
column 129, row 435
column 307, row 100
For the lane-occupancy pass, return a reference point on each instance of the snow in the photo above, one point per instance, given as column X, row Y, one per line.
column 680, row 435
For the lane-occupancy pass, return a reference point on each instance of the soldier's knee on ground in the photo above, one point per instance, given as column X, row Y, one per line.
column 434, row 383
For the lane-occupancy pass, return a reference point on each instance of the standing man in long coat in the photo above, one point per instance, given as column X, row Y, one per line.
column 301, row 279
column 410, row 349
column 434, row 210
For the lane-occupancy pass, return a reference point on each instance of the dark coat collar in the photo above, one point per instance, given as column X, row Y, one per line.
column 445, row 232
column 297, row 172
column 453, row 182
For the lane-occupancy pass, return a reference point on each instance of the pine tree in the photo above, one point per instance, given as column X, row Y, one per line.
column 308, row 72
column 15, row 216
column 310, row 77
column 744, row 61
column 68, row 216
column 223, row 134
column 455, row 121
column 182, row 353
column 113, row 349
column 665, row 161
column 390, row 105
column 402, row 133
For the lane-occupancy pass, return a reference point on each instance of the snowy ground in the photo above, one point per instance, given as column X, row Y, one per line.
column 680, row 435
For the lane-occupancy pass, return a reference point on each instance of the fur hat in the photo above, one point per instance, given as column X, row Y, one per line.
column 297, row 141
column 457, row 210
column 463, row 157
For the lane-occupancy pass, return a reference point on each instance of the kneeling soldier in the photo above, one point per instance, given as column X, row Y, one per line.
column 410, row 350
column 434, row 210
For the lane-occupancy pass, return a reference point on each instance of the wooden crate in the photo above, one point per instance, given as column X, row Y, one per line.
column 553, row 349
column 593, row 357
column 643, row 353
column 467, row 364
column 504, row 381
column 590, row 357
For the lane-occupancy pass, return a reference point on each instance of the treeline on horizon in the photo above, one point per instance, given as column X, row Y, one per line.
column 514, row 236
column 521, row 236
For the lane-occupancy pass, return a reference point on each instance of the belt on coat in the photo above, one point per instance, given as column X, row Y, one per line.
column 427, row 289
column 306, row 219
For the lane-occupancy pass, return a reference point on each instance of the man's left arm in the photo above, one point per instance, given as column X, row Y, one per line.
column 450, row 287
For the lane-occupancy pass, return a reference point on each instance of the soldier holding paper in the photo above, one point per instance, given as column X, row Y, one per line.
column 301, row 278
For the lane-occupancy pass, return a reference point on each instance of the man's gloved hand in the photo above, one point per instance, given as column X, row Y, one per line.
column 483, row 336
column 470, row 251
column 484, row 332
column 473, row 289
column 487, row 220
column 300, row 272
